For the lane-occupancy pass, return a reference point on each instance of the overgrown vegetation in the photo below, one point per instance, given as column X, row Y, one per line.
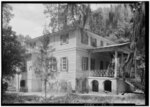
column 75, row 99
column 13, row 53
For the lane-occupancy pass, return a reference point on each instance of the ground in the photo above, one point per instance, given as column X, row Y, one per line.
column 22, row 98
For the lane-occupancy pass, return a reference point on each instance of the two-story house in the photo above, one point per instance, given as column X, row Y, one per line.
column 86, row 61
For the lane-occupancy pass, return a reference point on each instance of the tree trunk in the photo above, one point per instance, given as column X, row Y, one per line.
column 45, row 86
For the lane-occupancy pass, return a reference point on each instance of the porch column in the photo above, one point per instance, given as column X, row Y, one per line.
column 116, row 62
column 122, row 64
column 89, row 62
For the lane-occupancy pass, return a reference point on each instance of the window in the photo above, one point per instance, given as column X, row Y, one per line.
column 84, row 63
column 93, row 42
column 102, row 43
column 92, row 64
column 101, row 65
column 84, row 37
column 53, row 64
column 108, row 44
column 22, row 83
column 64, row 39
column 64, row 64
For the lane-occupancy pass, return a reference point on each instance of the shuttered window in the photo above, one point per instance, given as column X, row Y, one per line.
column 93, row 42
column 53, row 64
column 84, row 37
column 64, row 64
column 84, row 63
column 64, row 39
column 102, row 43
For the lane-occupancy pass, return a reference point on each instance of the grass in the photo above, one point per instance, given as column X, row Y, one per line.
column 74, row 98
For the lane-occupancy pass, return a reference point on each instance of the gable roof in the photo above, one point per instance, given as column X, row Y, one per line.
column 69, row 29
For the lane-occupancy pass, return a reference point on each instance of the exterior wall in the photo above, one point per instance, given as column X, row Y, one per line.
column 74, row 51
column 61, row 50
column 69, row 75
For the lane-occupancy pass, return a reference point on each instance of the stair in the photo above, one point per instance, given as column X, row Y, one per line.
column 134, row 86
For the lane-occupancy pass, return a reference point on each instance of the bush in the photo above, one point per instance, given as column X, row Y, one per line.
column 5, row 86
column 60, row 86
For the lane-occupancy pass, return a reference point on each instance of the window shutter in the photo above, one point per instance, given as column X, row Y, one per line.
column 82, row 61
column 60, row 64
column 67, row 41
column 61, row 39
column 67, row 64
column 87, row 63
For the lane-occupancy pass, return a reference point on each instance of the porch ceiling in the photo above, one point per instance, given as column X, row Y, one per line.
column 117, row 47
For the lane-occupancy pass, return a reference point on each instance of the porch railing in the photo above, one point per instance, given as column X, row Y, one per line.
column 102, row 73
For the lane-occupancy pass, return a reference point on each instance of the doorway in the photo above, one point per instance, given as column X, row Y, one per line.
column 95, row 85
column 107, row 85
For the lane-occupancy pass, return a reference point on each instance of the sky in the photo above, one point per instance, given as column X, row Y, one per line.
column 29, row 19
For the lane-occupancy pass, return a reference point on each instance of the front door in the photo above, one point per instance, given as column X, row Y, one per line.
column 95, row 86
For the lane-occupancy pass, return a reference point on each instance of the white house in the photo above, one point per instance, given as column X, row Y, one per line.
column 86, row 62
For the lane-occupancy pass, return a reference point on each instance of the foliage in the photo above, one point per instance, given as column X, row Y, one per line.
column 75, row 99
column 42, row 64
column 12, row 51
column 12, row 54
column 6, row 14
column 63, row 15
column 112, row 22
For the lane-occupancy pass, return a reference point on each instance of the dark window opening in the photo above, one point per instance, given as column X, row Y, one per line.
column 102, row 43
column 92, row 64
column 95, row 85
column 101, row 65
column 93, row 42
column 64, row 39
column 107, row 85
column 22, row 83
column 84, row 37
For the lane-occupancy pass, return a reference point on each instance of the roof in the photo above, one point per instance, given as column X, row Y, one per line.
column 102, row 37
column 67, row 30
column 122, row 47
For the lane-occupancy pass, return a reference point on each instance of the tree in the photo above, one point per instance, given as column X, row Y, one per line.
column 6, row 14
column 63, row 15
column 43, row 64
column 12, row 51
column 12, row 54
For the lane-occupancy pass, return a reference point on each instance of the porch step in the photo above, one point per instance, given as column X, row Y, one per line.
column 135, row 89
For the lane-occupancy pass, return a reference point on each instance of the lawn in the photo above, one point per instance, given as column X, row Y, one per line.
column 139, row 99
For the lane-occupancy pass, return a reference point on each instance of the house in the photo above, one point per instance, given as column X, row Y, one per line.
column 86, row 62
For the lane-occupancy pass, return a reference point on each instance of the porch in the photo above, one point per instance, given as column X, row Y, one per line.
column 108, row 60
column 105, row 73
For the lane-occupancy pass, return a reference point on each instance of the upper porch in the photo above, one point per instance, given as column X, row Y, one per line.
column 108, row 60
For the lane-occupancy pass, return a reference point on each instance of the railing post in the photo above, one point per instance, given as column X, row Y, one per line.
column 116, row 62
